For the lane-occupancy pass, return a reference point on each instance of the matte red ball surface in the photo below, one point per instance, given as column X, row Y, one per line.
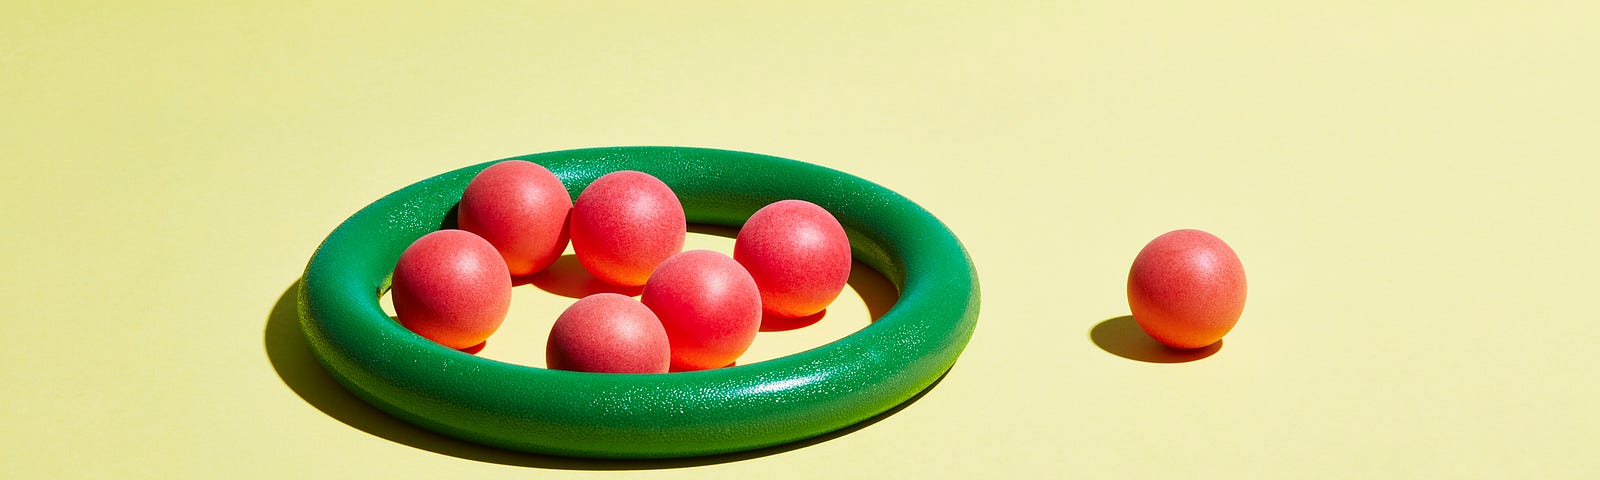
column 520, row 208
column 608, row 333
column 709, row 306
column 1186, row 289
column 451, row 287
column 624, row 225
column 798, row 254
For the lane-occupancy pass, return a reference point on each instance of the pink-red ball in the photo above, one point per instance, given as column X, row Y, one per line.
column 451, row 287
column 520, row 208
column 798, row 254
column 624, row 225
column 1186, row 289
column 608, row 333
column 709, row 306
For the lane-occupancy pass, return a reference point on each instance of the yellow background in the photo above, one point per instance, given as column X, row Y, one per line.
column 1409, row 184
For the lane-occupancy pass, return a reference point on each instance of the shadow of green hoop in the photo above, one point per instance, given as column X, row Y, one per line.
column 649, row 416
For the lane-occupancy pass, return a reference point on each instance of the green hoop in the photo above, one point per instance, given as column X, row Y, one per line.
column 648, row 416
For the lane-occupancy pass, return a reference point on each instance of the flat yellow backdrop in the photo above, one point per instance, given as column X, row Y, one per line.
column 1410, row 185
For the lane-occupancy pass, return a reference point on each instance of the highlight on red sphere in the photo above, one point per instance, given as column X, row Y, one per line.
column 452, row 287
column 1186, row 289
column 624, row 224
column 709, row 305
column 520, row 208
column 798, row 255
column 608, row 333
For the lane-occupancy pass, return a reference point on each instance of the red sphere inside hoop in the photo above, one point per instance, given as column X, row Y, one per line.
column 608, row 333
column 624, row 224
column 451, row 287
column 709, row 305
column 520, row 208
column 798, row 254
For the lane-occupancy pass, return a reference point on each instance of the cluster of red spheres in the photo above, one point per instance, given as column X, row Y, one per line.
column 699, row 309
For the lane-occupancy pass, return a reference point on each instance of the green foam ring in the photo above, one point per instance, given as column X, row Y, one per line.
column 682, row 414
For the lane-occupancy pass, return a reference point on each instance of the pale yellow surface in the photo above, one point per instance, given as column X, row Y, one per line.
column 1411, row 189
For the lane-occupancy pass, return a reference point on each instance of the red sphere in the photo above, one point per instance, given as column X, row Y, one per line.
column 624, row 225
column 608, row 333
column 798, row 254
column 520, row 208
column 1186, row 289
column 709, row 305
column 451, row 287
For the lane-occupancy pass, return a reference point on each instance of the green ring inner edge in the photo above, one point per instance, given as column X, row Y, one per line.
column 649, row 416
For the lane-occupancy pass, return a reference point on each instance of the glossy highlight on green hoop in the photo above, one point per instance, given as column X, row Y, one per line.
column 681, row 414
